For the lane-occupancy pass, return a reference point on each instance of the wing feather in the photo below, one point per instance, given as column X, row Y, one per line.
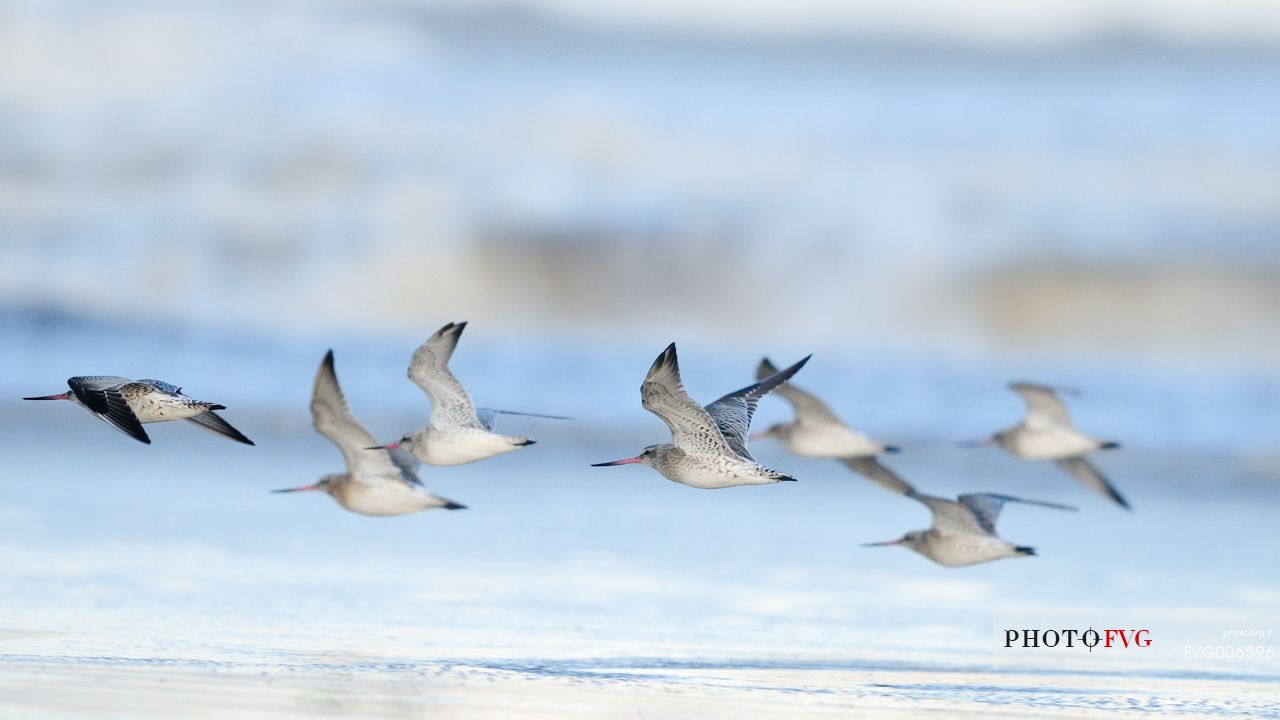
column 334, row 420
column 1045, row 408
column 871, row 468
column 808, row 407
column 662, row 393
column 429, row 368
column 1086, row 473
column 732, row 413
column 985, row 507
column 101, row 394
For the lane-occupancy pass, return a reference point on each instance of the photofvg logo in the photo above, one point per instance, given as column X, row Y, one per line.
column 1190, row 639
column 1090, row 639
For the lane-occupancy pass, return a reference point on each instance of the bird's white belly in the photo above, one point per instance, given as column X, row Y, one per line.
column 388, row 498
column 461, row 446
column 830, row 441
column 1052, row 444
column 958, row 550
column 714, row 474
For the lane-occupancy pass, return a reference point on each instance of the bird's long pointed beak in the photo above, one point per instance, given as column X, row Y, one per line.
column 976, row 443
column 624, row 461
column 388, row 446
column 62, row 396
column 883, row 544
column 300, row 488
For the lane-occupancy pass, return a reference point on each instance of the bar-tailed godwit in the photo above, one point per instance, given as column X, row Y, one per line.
column 708, row 447
column 375, row 483
column 128, row 404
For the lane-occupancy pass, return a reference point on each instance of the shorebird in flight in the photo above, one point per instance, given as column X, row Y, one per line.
column 817, row 432
column 964, row 532
column 375, row 483
column 128, row 404
column 708, row 447
column 1046, row 433
column 457, row 432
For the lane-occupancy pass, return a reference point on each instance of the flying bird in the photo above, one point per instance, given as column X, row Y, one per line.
column 375, row 483
column 1047, row 433
column 457, row 432
column 817, row 432
column 964, row 532
column 708, row 447
column 128, row 404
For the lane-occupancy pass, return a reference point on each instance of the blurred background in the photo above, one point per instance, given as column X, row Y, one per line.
column 933, row 198
column 1079, row 183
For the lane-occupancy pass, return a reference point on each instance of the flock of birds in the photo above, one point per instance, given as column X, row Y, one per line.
column 708, row 447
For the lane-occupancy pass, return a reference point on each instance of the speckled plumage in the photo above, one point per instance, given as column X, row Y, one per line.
column 964, row 530
column 708, row 447
column 129, row 404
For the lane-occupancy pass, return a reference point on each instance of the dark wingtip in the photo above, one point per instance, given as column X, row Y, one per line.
column 451, row 505
column 1109, row 445
column 786, row 478
column 527, row 442
column 328, row 357
column 215, row 406
column 892, row 449
column 1121, row 501
column 1024, row 550
column 245, row 440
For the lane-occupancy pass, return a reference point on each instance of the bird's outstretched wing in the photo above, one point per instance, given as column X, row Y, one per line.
column 870, row 468
column 101, row 394
column 732, row 413
column 213, row 422
column 1045, row 409
column 692, row 427
column 1085, row 472
column 808, row 407
column 333, row 419
column 949, row 516
column 429, row 368
column 489, row 417
column 985, row 507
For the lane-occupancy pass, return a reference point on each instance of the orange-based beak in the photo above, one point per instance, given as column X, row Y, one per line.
column 62, row 396
column 300, row 488
column 624, row 461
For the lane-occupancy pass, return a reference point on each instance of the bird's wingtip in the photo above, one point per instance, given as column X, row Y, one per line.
column 451, row 505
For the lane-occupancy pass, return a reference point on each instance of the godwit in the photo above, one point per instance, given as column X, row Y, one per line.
column 964, row 532
column 708, row 446
column 375, row 483
column 128, row 404
column 1046, row 433
column 817, row 432
column 456, row 432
